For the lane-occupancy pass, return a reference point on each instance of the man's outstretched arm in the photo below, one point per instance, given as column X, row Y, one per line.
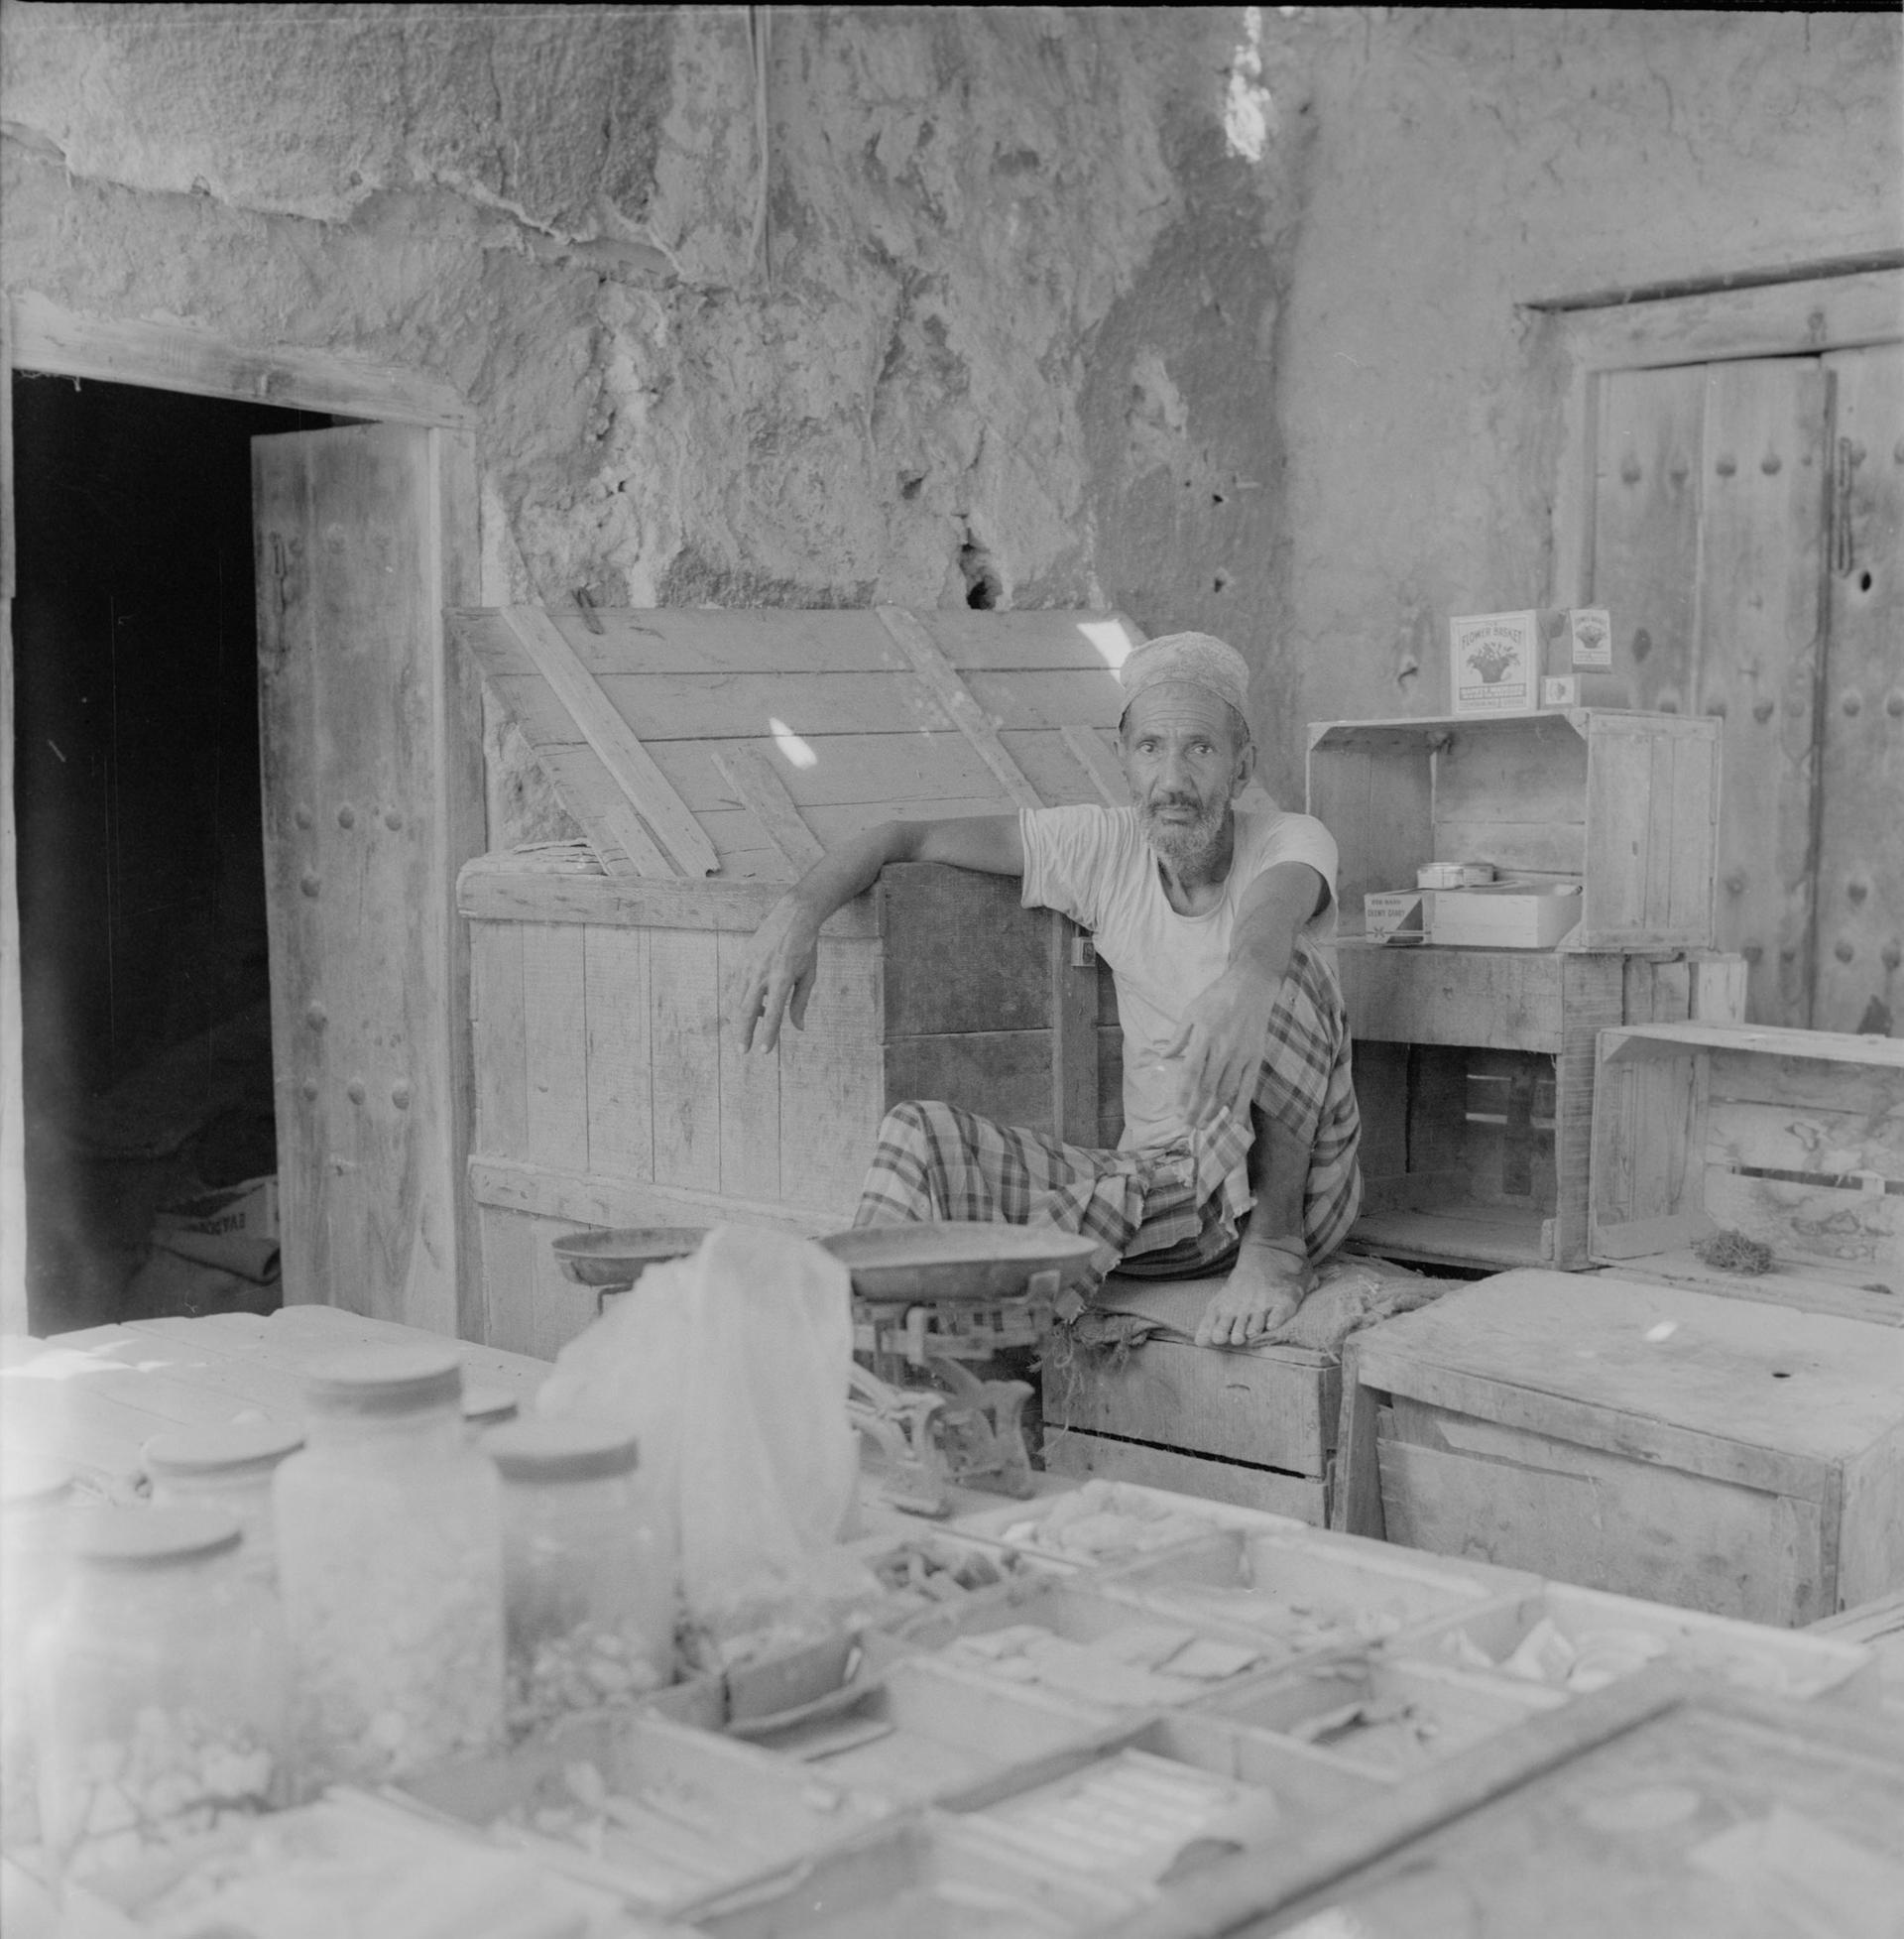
column 776, row 977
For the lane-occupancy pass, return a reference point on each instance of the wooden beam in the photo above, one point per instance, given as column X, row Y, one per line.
column 751, row 775
column 1087, row 745
column 13, row 1101
column 650, row 792
column 936, row 675
column 177, row 357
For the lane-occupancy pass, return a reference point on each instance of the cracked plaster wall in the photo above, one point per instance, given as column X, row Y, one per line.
column 1026, row 302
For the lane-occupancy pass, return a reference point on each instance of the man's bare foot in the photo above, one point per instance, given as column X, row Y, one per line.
column 1259, row 1299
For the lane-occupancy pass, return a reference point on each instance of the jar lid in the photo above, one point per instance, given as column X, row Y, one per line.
column 384, row 1380
column 488, row 1406
column 31, row 1480
column 562, row 1451
column 145, row 1538
column 237, row 1448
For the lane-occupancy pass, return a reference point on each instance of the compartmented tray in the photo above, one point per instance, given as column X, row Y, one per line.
column 926, row 1729
column 1062, row 1637
column 664, row 1815
column 1128, row 1815
column 938, row 1570
column 1383, row 1716
column 933, row 1877
column 1578, row 1640
column 1111, row 1521
column 1304, row 1596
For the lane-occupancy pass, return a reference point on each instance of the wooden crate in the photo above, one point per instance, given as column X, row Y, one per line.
column 611, row 1090
column 1626, row 801
column 1474, row 1072
column 1254, row 1428
column 1792, row 1138
column 709, row 757
column 1722, row 1454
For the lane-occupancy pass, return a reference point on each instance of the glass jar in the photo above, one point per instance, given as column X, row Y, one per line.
column 35, row 1495
column 162, row 1689
column 485, row 1407
column 589, row 1580
column 390, row 1563
column 227, row 1467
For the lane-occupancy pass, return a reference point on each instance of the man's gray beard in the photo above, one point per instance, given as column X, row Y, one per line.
column 1186, row 847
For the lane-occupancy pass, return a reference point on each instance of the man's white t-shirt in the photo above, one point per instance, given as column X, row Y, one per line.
column 1094, row 864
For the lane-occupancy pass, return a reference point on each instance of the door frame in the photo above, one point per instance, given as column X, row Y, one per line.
column 36, row 334
column 1805, row 316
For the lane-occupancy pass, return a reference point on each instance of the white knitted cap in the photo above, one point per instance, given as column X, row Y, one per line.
column 1198, row 659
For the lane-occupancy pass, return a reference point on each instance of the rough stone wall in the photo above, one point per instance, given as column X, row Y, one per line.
column 1208, row 314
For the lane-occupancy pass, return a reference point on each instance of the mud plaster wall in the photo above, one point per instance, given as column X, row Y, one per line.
column 1206, row 313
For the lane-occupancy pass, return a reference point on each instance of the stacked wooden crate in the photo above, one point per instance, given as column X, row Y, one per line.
column 1475, row 1067
column 708, row 757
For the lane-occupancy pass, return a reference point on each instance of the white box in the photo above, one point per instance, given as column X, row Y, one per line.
column 1398, row 914
column 1504, row 915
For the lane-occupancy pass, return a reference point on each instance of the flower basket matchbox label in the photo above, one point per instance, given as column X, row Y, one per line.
column 1518, row 663
column 1496, row 662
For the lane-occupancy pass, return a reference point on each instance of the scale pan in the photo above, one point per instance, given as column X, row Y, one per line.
column 961, row 1259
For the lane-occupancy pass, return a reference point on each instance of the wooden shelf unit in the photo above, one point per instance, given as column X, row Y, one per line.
column 1475, row 1073
column 1628, row 802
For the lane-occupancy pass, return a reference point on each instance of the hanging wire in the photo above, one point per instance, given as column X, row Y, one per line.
column 759, row 39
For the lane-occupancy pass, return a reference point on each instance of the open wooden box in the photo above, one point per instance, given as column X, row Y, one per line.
column 1628, row 802
column 709, row 757
column 1793, row 1138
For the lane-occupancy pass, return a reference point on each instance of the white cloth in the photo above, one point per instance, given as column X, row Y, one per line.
column 1094, row 864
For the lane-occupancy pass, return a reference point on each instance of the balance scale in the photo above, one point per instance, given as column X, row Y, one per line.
column 927, row 1301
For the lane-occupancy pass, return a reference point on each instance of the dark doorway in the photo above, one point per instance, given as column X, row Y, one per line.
column 143, row 980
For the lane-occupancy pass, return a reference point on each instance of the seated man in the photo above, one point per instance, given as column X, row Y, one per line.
column 1236, row 1047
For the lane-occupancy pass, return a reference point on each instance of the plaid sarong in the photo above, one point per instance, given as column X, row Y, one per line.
column 936, row 1162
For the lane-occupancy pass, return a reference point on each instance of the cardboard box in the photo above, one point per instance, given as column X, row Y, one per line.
column 1523, row 661
column 1396, row 915
column 1504, row 915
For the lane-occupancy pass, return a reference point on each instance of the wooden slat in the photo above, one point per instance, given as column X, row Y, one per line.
column 502, row 889
column 1083, row 1455
column 753, row 778
column 1883, row 1055
column 508, row 1277
column 615, row 743
column 1619, row 827
column 1859, row 871
column 1606, row 1522
column 496, row 1019
column 1092, row 747
column 1648, row 471
column 1760, row 638
column 935, row 673
column 1074, row 1037
column 620, row 1128
column 832, row 1093
column 1271, row 1406
column 1355, row 1506
column 556, row 1047
column 177, row 357
column 12, row 1180
column 684, row 1057
column 627, row 1202
column 1509, row 999
column 750, row 1104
